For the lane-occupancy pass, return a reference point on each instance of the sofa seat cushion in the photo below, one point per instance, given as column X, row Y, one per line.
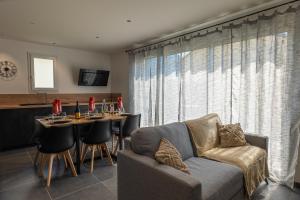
column 218, row 180
column 145, row 141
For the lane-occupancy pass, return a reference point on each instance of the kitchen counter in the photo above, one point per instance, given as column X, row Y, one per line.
column 17, row 122
column 20, row 106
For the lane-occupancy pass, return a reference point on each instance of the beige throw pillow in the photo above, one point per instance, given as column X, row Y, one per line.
column 231, row 135
column 167, row 154
column 204, row 132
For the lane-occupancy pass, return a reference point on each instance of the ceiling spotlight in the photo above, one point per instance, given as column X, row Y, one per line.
column 128, row 21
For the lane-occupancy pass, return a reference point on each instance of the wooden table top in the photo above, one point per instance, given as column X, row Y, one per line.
column 70, row 120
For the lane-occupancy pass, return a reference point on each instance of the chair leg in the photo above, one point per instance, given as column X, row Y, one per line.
column 112, row 142
column 67, row 155
column 108, row 154
column 92, row 158
column 50, row 169
column 81, row 150
column 84, row 153
column 42, row 164
column 100, row 151
column 65, row 161
column 116, row 148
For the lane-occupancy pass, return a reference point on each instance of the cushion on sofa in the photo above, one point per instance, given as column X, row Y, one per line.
column 145, row 141
column 231, row 135
column 167, row 154
column 218, row 180
column 204, row 132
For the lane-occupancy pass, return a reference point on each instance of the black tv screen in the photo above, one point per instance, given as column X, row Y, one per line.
column 92, row 77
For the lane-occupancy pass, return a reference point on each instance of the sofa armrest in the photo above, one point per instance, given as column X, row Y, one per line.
column 257, row 140
column 141, row 177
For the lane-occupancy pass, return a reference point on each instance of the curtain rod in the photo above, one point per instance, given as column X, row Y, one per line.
column 248, row 15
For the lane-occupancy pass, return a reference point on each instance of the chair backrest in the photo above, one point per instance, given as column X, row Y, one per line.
column 57, row 139
column 131, row 123
column 37, row 130
column 100, row 132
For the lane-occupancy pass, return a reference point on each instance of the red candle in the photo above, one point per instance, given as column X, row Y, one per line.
column 55, row 107
column 91, row 104
column 120, row 103
column 59, row 105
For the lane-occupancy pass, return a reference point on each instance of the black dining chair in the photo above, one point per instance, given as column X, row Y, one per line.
column 56, row 141
column 38, row 129
column 131, row 123
column 99, row 134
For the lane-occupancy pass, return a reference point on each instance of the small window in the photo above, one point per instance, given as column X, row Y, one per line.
column 42, row 72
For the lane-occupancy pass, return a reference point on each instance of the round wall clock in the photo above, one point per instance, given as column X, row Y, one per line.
column 8, row 70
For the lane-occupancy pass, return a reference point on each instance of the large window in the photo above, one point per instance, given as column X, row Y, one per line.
column 42, row 74
column 247, row 73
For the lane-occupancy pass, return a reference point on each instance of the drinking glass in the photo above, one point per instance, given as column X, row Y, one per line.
column 64, row 115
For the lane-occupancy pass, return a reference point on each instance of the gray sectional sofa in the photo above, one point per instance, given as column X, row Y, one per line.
column 140, row 177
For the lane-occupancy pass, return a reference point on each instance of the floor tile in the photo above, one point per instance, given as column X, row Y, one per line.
column 112, row 185
column 13, row 179
column 14, row 162
column 105, row 172
column 28, row 191
column 15, row 167
column 274, row 192
column 32, row 152
column 68, row 184
column 94, row 192
column 19, row 181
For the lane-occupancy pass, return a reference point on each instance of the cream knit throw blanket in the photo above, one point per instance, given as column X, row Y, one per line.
column 252, row 161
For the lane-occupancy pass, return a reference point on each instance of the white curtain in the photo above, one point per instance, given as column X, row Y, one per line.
column 247, row 71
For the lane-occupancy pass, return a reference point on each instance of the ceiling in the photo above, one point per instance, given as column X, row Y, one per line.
column 101, row 25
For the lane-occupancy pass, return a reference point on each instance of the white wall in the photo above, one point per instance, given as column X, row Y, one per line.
column 68, row 63
column 120, row 75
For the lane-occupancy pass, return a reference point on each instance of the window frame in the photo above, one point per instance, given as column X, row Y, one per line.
column 31, row 57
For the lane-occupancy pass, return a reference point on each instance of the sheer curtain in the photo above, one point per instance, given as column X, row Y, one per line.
column 247, row 71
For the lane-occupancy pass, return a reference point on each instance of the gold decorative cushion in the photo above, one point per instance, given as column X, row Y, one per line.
column 231, row 135
column 167, row 154
column 204, row 132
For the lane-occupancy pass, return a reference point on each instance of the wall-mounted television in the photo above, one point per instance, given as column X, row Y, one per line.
column 93, row 77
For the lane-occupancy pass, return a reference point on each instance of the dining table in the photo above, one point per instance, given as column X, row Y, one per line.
column 48, row 122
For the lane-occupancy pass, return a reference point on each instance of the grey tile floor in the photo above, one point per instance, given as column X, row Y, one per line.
column 19, row 181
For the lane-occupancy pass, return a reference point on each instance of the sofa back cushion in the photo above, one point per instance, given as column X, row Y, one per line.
column 204, row 132
column 145, row 141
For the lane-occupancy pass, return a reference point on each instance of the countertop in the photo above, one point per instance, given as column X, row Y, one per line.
column 20, row 106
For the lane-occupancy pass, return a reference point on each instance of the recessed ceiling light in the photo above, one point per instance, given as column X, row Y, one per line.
column 128, row 20
column 97, row 37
